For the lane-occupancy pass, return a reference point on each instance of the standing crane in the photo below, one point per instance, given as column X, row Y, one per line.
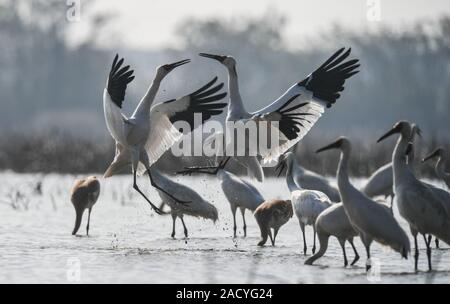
column 307, row 204
column 373, row 221
column 423, row 207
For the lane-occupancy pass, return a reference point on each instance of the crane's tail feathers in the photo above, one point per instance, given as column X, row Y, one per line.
column 115, row 168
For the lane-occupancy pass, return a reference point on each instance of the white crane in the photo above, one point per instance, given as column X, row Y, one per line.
column 372, row 221
column 84, row 195
column 334, row 222
column 238, row 192
column 307, row 179
column 307, row 204
column 198, row 206
column 296, row 111
column 149, row 132
column 272, row 214
column 439, row 169
column 422, row 206
column 381, row 182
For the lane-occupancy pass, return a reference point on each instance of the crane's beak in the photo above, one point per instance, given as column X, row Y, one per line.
column 336, row 145
column 280, row 167
column 433, row 154
column 171, row 66
column 212, row 56
column 389, row 133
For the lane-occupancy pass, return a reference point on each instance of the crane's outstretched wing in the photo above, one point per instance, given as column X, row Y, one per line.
column 113, row 96
column 299, row 108
column 163, row 116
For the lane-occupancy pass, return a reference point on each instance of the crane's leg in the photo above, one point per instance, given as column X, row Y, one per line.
column 198, row 169
column 354, row 250
column 174, row 217
column 271, row 238
column 243, row 218
column 204, row 169
column 135, row 186
column 89, row 219
column 184, row 226
column 367, row 242
column 368, row 265
column 342, row 243
column 428, row 244
column 302, row 227
column 314, row 236
column 144, row 159
column 152, row 182
column 233, row 211
column 275, row 233
column 436, row 241
column 264, row 234
column 416, row 253
column 323, row 243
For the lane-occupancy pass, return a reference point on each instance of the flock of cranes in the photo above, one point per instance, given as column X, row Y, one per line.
column 344, row 212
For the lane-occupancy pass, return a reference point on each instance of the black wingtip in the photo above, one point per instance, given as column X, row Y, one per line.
column 205, row 87
column 328, row 80
column 118, row 80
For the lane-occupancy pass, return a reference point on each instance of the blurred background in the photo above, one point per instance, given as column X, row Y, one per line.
column 55, row 56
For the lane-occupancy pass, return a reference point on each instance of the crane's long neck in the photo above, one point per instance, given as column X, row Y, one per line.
column 236, row 108
column 411, row 158
column 289, row 179
column 345, row 187
column 440, row 167
column 144, row 105
column 400, row 165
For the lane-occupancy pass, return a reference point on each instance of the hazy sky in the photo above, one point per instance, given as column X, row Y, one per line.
column 144, row 23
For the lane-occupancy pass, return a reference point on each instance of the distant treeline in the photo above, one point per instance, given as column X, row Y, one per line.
column 64, row 153
column 51, row 116
column 44, row 82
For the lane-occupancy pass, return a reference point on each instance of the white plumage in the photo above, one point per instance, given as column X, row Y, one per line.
column 423, row 206
column 381, row 182
column 240, row 194
column 197, row 207
column 310, row 180
column 372, row 221
column 334, row 222
column 439, row 169
column 307, row 204
column 296, row 111
column 143, row 138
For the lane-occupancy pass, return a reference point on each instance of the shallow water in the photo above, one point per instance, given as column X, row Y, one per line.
column 129, row 243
